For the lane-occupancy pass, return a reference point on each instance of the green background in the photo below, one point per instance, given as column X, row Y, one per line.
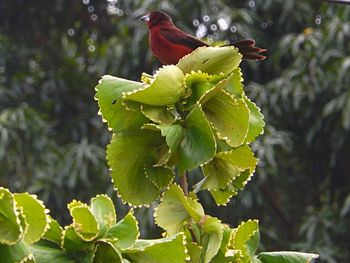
column 52, row 142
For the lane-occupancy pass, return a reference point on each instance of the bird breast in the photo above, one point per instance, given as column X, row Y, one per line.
column 166, row 51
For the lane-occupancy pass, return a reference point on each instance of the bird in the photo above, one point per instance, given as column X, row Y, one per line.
column 169, row 43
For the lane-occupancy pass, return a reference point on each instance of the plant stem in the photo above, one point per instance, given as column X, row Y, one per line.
column 192, row 233
column 184, row 187
column 184, row 183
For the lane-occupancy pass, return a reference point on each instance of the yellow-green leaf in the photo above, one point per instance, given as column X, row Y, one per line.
column 106, row 253
column 229, row 117
column 198, row 142
column 72, row 242
column 158, row 114
column 222, row 255
column 212, row 237
column 109, row 96
column 10, row 226
column 84, row 222
column 245, row 238
column 53, row 255
column 126, row 155
column 14, row 253
column 194, row 251
column 175, row 209
column 35, row 217
column 234, row 85
column 286, row 257
column 223, row 195
column 166, row 88
column 54, row 233
column 164, row 250
column 212, row 60
column 226, row 166
column 104, row 212
column 199, row 83
column 125, row 233
column 256, row 121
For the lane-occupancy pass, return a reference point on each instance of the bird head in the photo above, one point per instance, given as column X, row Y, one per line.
column 155, row 18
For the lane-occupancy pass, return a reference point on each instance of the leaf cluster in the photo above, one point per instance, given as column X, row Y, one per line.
column 29, row 235
column 187, row 115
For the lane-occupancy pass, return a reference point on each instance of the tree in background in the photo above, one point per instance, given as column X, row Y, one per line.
column 52, row 141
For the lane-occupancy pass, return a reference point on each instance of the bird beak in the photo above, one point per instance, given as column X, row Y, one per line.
column 145, row 18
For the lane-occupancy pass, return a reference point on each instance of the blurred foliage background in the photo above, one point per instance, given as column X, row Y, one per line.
column 52, row 142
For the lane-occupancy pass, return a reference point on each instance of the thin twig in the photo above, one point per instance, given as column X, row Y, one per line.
column 184, row 187
column 193, row 235
column 184, row 183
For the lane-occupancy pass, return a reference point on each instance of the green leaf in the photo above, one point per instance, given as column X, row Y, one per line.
column 35, row 217
column 229, row 117
column 194, row 251
column 234, row 85
column 173, row 135
column 44, row 254
column 109, row 96
column 212, row 237
column 125, row 233
column 158, row 114
column 110, row 86
column 256, row 121
column 147, row 78
column 212, row 60
column 126, row 155
column 10, row 225
column 198, row 142
column 29, row 259
column 223, row 195
column 164, row 250
column 106, row 253
column 72, row 242
column 159, row 176
column 221, row 256
column 212, row 92
column 14, row 253
column 54, row 233
column 286, row 257
column 199, row 83
column 246, row 238
column 175, row 209
column 167, row 88
column 84, row 222
column 104, row 212
column 225, row 167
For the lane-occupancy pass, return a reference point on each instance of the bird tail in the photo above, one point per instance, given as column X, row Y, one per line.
column 248, row 49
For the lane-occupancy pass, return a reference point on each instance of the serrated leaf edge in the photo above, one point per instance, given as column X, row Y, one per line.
column 28, row 257
column 234, row 232
column 155, row 214
column 245, row 97
column 76, row 226
column 147, row 86
column 225, row 138
column 203, row 47
column 111, row 202
column 46, row 212
column 18, row 221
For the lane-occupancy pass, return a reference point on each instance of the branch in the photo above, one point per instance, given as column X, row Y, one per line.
column 184, row 183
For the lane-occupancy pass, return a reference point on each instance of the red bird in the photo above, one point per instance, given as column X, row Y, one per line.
column 168, row 43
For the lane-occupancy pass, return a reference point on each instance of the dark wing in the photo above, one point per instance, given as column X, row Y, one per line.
column 248, row 49
column 176, row 36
